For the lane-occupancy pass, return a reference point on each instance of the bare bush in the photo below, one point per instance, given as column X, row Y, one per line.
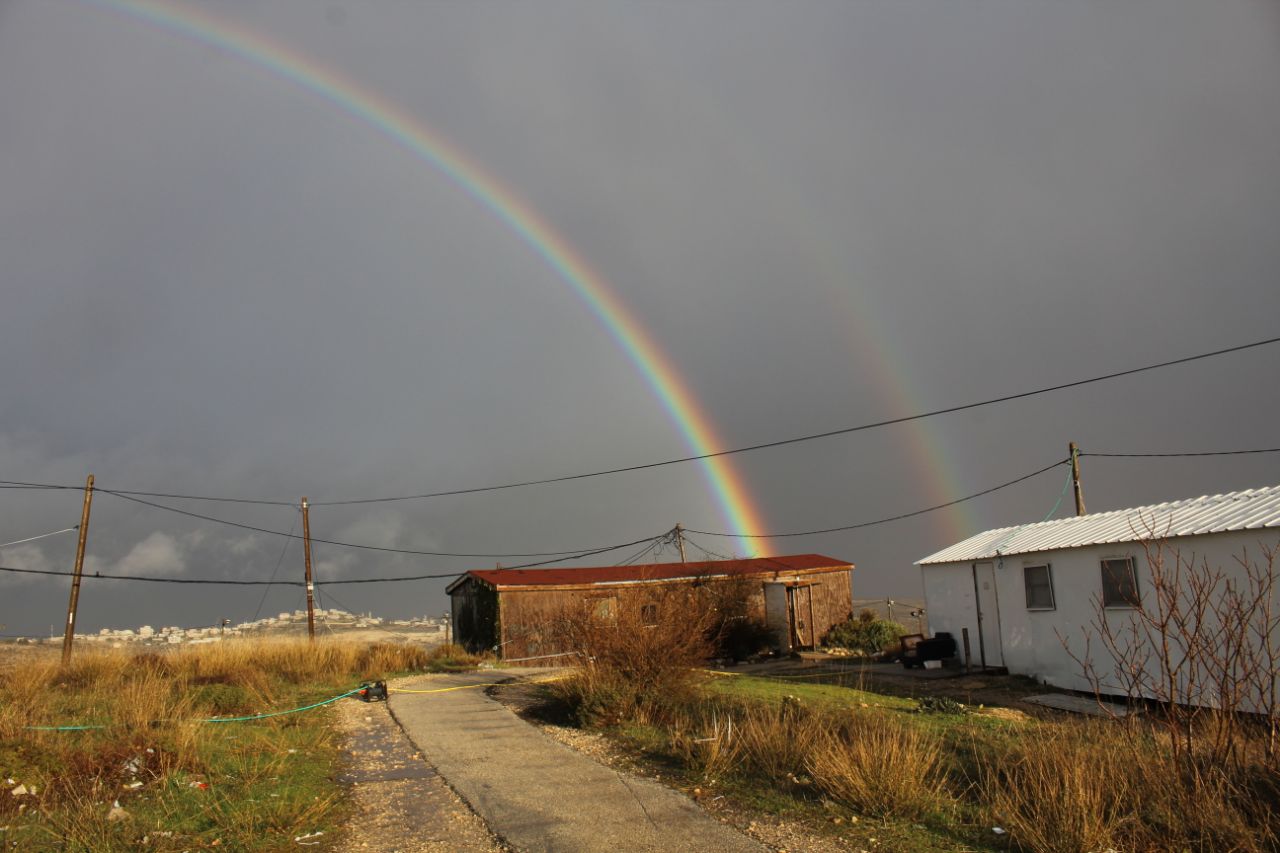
column 1205, row 645
column 638, row 653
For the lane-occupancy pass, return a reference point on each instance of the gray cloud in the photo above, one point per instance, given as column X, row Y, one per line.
column 823, row 214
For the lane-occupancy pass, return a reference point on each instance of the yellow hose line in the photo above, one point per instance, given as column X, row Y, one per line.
column 443, row 689
column 469, row 686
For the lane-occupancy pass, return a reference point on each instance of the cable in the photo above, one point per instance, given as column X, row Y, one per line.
column 41, row 536
column 746, row 449
column 844, row 431
column 224, row 582
column 314, row 539
column 1006, row 540
column 279, row 563
column 1167, row 455
column 884, row 520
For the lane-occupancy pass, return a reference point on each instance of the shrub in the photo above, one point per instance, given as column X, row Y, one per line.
column 639, row 655
column 866, row 633
column 880, row 767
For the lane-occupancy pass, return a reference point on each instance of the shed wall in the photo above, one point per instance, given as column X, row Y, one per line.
column 528, row 616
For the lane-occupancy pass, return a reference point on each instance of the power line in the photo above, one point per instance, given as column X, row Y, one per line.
column 291, row 535
column 1168, row 455
column 41, row 536
column 392, row 579
column 262, row 501
column 889, row 519
column 828, row 434
column 745, row 449
column 287, row 542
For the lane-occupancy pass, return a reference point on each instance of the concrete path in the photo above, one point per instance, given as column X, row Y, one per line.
column 539, row 795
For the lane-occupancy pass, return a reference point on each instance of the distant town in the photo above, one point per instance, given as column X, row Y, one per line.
column 283, row 623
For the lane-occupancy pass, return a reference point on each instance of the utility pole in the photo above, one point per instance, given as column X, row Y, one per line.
column 679, row 533
column 69, row 637
column 306, row 550
column 1075, row 477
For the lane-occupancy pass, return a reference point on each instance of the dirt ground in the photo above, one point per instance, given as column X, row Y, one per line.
column 401, row 805
column 974, row 688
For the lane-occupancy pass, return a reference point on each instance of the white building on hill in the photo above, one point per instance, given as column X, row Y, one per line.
column 1030, row 596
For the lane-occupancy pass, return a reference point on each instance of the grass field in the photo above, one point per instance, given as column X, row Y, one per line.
column 894, row 773
column 151, row 770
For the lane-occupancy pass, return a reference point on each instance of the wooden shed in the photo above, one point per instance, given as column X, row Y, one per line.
column 510, row 610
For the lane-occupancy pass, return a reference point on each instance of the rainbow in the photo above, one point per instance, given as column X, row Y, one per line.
column 394, row 123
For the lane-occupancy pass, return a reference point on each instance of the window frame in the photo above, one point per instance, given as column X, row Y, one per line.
column 1026, row 587
column 1124, row 603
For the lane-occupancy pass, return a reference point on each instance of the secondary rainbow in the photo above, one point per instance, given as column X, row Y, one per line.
column 660, row 374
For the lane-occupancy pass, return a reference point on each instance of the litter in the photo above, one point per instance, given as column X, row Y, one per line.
column 20, row 791
column 306, row 841
column 201, row 785
column 997, row 830
column 132, row 786
column 117, row 812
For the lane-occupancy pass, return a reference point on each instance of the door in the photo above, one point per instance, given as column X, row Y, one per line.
column 988, row 606
column 777, row 615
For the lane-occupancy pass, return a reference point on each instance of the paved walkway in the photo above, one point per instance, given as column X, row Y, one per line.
column 539, row 795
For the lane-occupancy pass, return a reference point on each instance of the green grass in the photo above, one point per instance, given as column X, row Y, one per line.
column 846, row 695
column 253, row 785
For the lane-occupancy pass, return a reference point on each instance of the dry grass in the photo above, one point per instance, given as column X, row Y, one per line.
column 880, row 766
column 248, row 785
column 1086, row 785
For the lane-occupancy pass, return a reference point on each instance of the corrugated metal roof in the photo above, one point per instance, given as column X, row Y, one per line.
column 652, row 571
column 1251, row 509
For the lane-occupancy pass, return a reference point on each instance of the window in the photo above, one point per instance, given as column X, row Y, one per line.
column 1119, row 583
column 649, row 614
column 1039, row 583
column 603, row 608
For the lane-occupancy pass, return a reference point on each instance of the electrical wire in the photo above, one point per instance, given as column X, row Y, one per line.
column 884, row 520
column 1169, row 455
column 745, row 449
column 279, row 563
column 41, row 536
column 340, row 544
column 828, row 434
column 393, row 579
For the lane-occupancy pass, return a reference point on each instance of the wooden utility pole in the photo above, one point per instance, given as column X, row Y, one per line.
column 1075, row 477
column 679, row 532
column 69, row 637
column 306, row 551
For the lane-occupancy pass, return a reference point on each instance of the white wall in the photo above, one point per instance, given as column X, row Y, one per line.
column 1033, row 640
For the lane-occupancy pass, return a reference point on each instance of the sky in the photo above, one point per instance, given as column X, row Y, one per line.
column 269, row 250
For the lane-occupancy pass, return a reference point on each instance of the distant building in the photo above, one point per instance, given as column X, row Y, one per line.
column 512, row 610
column 1020, row 591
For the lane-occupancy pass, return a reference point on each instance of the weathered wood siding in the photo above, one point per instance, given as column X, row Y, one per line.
column 832, row 604
column 528, row 618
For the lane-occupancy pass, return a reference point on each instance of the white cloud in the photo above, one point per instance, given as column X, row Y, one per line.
column 158, row 554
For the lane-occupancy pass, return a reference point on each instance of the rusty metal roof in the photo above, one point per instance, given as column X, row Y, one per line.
column 595, row 576
column 1251, row 509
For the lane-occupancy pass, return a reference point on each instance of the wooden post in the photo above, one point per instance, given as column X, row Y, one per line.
column 74, row 603
column 306, row 550
column 1075, row 477
column 679, row 532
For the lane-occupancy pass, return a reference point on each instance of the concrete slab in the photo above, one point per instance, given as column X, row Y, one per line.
column 1079, row 705
column 539, row 795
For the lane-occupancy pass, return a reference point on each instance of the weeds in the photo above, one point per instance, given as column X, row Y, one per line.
column 181, row 783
